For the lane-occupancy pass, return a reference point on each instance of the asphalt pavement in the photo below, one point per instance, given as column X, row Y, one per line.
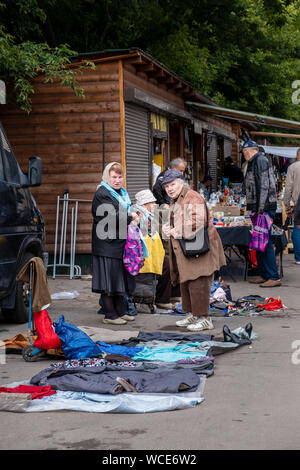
column 251, row 401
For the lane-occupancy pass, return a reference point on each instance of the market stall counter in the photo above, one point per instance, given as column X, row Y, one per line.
column 237, row 239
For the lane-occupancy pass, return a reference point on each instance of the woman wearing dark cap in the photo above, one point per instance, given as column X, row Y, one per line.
column 110, row 210
column 187, row 216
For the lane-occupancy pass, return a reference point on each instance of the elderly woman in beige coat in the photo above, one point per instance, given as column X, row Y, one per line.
column 195, row 274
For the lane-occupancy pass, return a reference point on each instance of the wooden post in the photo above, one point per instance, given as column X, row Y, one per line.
column 122, row 118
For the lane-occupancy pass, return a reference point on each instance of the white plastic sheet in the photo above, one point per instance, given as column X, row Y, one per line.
column 121, row 403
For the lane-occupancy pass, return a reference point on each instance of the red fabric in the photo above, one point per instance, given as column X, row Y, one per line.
column 253, row 260
column 46, row 336
column 272, row 304
column 34, row 390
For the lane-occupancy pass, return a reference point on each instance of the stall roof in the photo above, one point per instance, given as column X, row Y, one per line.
column 244, row 116
column 287, row 152
column 144, row 62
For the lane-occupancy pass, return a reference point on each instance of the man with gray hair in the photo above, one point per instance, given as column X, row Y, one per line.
column 291, row 195
column 158, row 188
column 261, row 198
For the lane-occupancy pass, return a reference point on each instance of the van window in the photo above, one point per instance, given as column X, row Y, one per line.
column 10, row 165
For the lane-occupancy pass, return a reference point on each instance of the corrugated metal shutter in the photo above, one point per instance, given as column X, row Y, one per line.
column 212, row 154
column 137, row 149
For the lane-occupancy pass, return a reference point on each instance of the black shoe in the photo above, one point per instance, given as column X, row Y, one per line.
column 232, row 337
column 248, row 329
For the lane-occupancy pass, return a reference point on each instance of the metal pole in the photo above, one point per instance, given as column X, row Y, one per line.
column 71, row 245
column 75, row 231
column 65, row 227
column 62, row 230
column 56, row 237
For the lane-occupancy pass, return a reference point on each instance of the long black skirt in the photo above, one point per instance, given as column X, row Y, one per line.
column 110, row 277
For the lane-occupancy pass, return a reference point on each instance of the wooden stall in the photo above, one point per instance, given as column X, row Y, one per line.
column 134, row 112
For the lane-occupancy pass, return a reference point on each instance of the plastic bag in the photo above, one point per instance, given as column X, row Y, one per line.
column 133, row 257
column 47, row 338
column 75, row 343
column 261, row 228
column 65, row 295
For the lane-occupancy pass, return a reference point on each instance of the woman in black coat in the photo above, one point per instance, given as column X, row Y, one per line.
column 110, row 210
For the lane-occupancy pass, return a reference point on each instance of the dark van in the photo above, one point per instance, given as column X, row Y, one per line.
column 22, row 230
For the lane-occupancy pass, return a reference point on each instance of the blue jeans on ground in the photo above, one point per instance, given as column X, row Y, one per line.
column 296, row 242
column 266, row 261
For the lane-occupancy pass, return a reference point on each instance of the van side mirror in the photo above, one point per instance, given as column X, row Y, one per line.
column 35, row 171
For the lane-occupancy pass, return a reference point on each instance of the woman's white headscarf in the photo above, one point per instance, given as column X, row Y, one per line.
column 106, row 175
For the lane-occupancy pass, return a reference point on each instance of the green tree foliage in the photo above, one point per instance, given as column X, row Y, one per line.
column 243, row 54
column 23, row 61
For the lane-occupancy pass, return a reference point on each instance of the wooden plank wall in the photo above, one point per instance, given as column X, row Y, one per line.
column 66, row 132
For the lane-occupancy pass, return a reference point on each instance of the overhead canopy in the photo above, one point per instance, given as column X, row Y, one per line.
column 287, row 152
column 258, row 119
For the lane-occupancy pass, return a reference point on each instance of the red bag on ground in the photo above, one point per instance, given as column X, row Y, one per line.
column 46, row 336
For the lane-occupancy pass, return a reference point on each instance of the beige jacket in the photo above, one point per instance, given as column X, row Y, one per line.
column 190, row 215
column 41, row 296
column 292, row 184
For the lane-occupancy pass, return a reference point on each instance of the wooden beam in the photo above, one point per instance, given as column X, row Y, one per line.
column 275, row 134
column 175, row 86
column 145, row 68
column 188, row 94
column 137, row 61
column 122, row 119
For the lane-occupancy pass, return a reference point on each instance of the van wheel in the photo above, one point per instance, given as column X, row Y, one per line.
column 20, row 312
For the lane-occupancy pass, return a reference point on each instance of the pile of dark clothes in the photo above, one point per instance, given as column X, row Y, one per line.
column 99, row 367
column 246, row 305
column 157, row 362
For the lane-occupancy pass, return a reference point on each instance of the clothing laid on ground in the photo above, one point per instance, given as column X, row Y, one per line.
column 199, row 365
column 36, row 392
column 98, row 379
column 15, row 344
column 159, row 336
column 106, row 335
column 170, row 354
column 116, row 349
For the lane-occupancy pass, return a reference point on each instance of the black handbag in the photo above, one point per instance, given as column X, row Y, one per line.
column 199, row 244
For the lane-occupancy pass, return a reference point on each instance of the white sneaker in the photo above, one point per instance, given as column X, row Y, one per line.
column 190, row 319
column 201, row 324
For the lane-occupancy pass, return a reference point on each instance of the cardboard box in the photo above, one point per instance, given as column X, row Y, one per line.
column 228, row 210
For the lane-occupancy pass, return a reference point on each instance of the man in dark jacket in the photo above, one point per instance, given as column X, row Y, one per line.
column 158, row 189
column 261, row 198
